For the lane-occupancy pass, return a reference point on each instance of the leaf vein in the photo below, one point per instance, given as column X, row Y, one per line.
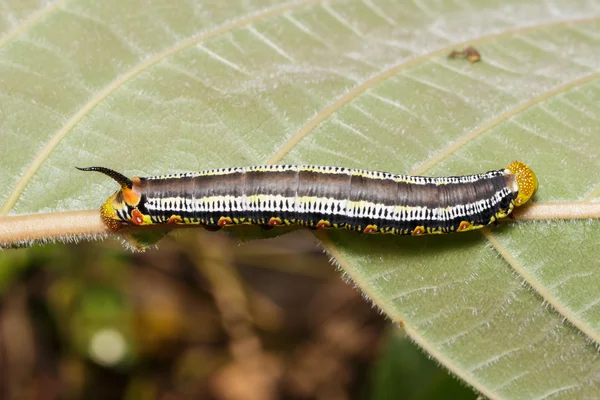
column 545, row 294
column 120, row 80
column 28, row 22
column 372, row 81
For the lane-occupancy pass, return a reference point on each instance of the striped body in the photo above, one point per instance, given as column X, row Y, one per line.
column 321, row 197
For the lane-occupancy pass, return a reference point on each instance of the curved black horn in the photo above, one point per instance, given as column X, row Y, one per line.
column 124, row 181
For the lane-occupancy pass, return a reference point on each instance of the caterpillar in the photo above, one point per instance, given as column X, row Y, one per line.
column 319, row 197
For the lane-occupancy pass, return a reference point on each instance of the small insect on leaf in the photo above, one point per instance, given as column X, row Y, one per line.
column 470, row 53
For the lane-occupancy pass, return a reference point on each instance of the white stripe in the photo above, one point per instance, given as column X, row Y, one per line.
column 350, row 209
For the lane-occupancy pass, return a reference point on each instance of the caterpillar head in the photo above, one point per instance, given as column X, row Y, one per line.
column 526, row 181
column 120, row 208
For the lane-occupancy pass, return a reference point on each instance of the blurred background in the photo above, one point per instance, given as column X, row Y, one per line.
column 207, row 316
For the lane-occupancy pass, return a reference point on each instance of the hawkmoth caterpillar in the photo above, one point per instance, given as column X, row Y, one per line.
column 319, row 197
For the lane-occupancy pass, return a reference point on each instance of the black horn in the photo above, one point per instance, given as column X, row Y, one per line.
column 124, row 181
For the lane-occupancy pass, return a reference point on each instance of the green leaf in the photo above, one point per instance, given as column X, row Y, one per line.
column 174, row 85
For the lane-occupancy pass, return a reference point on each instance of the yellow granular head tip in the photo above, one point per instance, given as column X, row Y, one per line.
column 109, row 215
column 526, row 181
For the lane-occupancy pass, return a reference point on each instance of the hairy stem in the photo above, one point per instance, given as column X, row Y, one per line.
column 25, row 229
column 557, row 211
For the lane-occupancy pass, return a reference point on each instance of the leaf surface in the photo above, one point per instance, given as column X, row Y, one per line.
column 165, row 86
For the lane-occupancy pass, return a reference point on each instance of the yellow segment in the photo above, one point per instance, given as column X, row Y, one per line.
column 109, row 214
column 526, row 181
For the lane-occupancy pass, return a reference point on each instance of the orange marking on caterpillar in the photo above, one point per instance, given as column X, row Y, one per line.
column 224, row 221
column 370, row 229
column 137, row 217
column 464, row 225
column 274, row 221
column 418, row 231
column 132, row 196
column 323, row 224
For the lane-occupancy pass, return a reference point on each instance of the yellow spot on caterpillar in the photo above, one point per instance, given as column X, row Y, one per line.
column 527, row 182
column 323, row 224
column 224, row 221
column 500, row 214
column 370, row 229
column 434, row 231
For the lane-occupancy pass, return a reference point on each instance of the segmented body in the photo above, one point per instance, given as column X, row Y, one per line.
column 318, row 197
